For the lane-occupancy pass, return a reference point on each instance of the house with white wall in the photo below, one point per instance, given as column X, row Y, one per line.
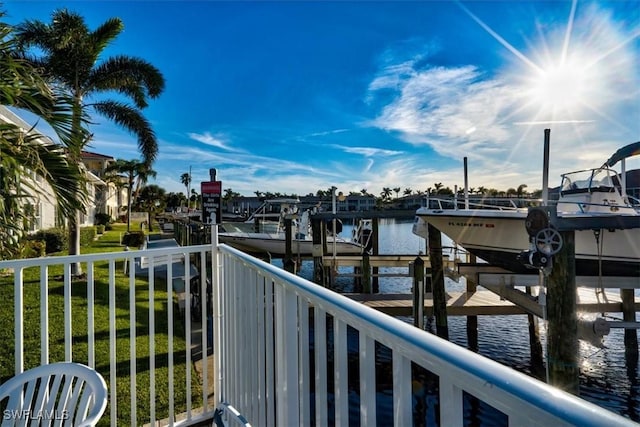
column 102, row 196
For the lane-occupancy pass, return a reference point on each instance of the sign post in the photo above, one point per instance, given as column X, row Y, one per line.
column 211, row 201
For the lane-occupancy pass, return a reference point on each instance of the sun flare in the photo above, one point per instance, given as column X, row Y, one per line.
column 565, row 87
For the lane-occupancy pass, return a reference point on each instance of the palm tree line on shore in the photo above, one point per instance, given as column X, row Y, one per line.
column 175, row 200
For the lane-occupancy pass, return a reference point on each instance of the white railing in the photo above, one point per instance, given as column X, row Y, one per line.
column 490, row 203
column 129, row 314
column 279, row 343
column 267, row 319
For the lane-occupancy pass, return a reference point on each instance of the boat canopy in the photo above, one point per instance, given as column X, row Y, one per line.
column 627, row 151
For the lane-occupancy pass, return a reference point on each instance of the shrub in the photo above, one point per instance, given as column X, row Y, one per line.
column 102, row 219
column 56, row 239
column 108, row 227
column 100, row 228
column 32, row 248
column 87, row 235
column 133, row 238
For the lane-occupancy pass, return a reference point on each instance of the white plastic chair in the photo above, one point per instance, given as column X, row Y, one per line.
column 67, row 393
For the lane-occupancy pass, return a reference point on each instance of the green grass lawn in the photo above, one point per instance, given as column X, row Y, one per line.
column 108, row 242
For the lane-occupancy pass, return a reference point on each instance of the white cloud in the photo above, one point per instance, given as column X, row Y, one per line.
column 438, row 106
column 367, row 151
column 217, row 141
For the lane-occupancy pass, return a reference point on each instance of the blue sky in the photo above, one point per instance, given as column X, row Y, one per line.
column 293, row 97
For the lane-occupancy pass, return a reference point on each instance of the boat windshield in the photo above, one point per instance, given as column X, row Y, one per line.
column 601, row 178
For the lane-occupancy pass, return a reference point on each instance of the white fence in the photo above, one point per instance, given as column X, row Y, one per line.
column 287, row 352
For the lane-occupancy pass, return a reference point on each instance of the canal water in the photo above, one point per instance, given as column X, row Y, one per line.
column 606, row 378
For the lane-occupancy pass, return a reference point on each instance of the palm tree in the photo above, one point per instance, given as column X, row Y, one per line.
column 386, row 193
column 520, row 190
column 152, row 200
column 195, row 198
column 133, row 169
column 70, row 60
column 185, row 179
column 24, row 154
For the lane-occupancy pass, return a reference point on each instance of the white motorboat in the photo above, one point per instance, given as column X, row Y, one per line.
column 264, row 232
column 497, row 232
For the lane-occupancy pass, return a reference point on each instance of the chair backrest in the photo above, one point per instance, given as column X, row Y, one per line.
column 67, row 393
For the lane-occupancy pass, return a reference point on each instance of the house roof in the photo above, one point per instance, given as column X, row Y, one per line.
column 88, row 155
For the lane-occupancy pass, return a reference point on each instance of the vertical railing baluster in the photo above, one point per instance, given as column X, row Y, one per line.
column 261, row 352
column 133, row 356
column 254, row 356
column 270, row 353
column 230, row 323
column 287, row 411
column 170, row 340
column 18, row 313
column 152, row 342
column 403, row 414
column 224, row 328
column 367, row 380
column 187, row 322
column 243, row 305
column 320, row 345
column 217, row 315
column 340, row 372
column 68, row 331
column 451, row 407
column 44, row 315
column 91, row 314
column 204, row 337
column 112, row 341
column 304, row 382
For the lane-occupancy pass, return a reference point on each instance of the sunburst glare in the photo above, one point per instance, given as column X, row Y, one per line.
column 572, row 72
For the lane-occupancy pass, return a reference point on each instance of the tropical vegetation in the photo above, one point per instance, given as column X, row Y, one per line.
column 25, row 154
column 68, row 56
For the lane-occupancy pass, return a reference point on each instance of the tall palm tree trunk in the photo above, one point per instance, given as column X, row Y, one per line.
column 75, row 154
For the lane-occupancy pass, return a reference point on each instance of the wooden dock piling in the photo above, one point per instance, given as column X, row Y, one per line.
column 629, row 315
column 562, row 340
column 472, row 321
column 418, row 293
column 437, row 281
column 288, row 262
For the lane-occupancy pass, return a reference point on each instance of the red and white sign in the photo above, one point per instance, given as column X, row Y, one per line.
column 211, row 187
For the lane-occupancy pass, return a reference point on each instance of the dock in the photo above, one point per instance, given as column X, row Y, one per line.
column 485, row 303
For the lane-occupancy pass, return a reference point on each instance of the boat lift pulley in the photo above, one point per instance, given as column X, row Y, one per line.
column 545, row 239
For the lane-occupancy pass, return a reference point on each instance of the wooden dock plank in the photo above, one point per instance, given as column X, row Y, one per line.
column 481, row 303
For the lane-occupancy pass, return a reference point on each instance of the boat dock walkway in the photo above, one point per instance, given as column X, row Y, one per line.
column 485, row 302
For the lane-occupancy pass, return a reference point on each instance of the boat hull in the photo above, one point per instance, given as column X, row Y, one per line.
column 265, row 243
column 499, row 236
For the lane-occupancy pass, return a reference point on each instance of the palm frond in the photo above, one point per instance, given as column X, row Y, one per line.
column 130, row 76
column 131, row 119
column 105, row 33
